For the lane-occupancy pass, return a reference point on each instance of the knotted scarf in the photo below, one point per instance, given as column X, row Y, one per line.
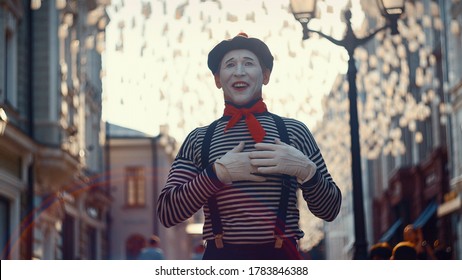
column 256, row 130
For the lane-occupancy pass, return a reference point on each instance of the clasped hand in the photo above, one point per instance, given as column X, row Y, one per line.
column 235, row 166
column 281, row 158
column 278, row 158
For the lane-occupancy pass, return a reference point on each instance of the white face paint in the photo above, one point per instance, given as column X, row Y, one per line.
column 241, row 77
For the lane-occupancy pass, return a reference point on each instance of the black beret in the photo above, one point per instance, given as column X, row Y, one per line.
column 241, row 41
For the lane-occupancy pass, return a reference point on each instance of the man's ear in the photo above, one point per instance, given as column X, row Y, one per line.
column 266, row 76
column 217, row 80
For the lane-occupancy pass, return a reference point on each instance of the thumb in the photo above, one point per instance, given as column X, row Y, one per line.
column 238, row 148
column 279, row 142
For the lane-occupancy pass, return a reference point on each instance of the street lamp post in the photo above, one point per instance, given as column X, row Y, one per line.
column 303, row 11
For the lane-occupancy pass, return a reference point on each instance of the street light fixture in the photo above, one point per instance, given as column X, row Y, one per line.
column 3, row 121
column 304, row 11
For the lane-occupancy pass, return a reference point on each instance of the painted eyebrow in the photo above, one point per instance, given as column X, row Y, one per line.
column 245, row 57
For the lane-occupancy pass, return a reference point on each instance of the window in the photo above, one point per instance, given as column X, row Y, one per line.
column 135, row 186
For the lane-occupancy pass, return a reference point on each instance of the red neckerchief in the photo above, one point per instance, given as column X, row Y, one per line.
column 254, row 126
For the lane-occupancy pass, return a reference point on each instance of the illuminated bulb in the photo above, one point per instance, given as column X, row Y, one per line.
column 426, row 21
column 443, row 120
column 423, row 58
column 35, row 4
column 401, row 51
column 64, row 89
column 60, row 4
column 68, row 19
column 455, row 27
column 412, row 125
column 432, row 59
column 397, row 40
column 431, row 95
column 373, row 61
column 90, row 42
column 418, row 137
column 438, row 24
column 435, row 10
column 102, row 23
column 442, row 108
column 421, row 37
column 403, row 122
column 419, row 8
column 75, row 46
column 62, row 31
column 413, row 46
column 100, row 45
column 419, row 77
column 386, row 68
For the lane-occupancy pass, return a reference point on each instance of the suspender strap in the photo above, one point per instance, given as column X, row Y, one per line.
column 217, row 227
column 206, row 144
column 280, row 224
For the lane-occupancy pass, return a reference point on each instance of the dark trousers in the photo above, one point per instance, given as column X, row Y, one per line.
column 289, row 251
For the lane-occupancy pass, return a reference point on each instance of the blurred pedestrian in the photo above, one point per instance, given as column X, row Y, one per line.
column 380, row 251
column 442, row 251
column 404, row 250
column 422, row 247
column 198, row 252
column 152, row 251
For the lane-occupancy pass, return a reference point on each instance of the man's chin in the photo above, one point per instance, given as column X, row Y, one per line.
column 242, row 98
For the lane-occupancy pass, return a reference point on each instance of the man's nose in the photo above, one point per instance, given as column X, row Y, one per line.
column 240, row 70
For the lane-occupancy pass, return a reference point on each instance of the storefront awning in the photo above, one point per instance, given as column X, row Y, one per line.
column 391, row 231
column 426, row 215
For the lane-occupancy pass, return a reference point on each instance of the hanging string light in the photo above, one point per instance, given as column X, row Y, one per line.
column 35, row 4
column 60, row 4
column 387, row 79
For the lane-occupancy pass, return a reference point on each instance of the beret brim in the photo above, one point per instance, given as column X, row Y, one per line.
column 259, row 48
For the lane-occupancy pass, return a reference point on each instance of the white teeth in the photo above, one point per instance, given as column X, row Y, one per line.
column 240, row 85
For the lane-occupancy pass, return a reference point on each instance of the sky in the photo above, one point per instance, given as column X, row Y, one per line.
column 155, row 60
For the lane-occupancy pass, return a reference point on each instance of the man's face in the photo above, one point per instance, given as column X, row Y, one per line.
column 241, row 77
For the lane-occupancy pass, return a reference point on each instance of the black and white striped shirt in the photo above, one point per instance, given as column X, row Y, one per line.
column 247, row 209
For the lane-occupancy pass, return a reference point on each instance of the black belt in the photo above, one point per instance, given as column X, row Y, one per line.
column 264, row 251
column 254, row 246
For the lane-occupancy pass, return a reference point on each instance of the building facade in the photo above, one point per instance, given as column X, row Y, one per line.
column 138, row 166
column 421, row 188
column 53, row 195
column 409, row 103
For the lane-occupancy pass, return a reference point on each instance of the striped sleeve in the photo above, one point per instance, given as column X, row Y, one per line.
column 188, row 187
column 320, row 192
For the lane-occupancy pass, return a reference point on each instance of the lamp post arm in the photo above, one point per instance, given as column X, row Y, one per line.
column 364, row 40
column 350, row 42
column 333, row 40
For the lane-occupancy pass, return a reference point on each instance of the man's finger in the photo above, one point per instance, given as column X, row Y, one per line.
column 262, row 162
column 261, row 154
column 239, row 147
column 266, row 146
column 269, row 170
column 253, row 169
column 256, row 178
column 279, row 142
